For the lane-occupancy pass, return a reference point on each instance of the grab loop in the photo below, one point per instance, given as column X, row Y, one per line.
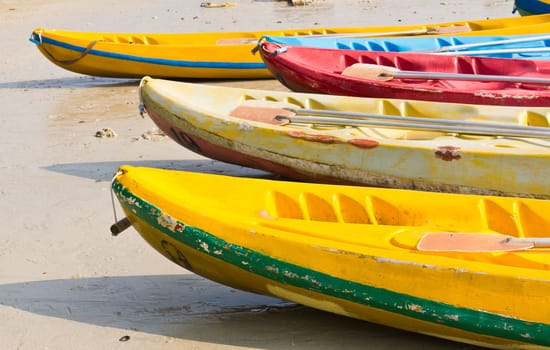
column 66, row 62
column 122, row 224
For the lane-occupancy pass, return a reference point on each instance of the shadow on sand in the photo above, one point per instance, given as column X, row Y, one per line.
column 192, row 308
column 69, row 82
column 85, row 81
column 104, row 171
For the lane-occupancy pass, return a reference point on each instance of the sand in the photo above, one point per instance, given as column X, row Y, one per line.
column 65, row 283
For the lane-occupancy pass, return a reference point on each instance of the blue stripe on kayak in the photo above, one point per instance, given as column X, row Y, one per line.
column 165, row 62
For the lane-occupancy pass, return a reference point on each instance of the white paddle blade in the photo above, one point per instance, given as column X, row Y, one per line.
column 471, row 242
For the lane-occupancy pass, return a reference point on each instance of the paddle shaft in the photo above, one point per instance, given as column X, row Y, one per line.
column 537, row 242
column 519, row 50
column 426, row 120
column 423, row 31
column 455, row 76
column 418, row 126
column 491, row 43
column 282, row 116
column 365, row 35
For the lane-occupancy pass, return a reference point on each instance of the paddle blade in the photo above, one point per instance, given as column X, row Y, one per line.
column 470, row 242
column 449, row 30
column 370, row 71
column 269, row 115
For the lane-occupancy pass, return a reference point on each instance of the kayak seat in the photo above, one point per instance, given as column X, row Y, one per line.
column 462, row 66
column 531, row 118
column 497, row 218
column 339, row 208
column 130, row 39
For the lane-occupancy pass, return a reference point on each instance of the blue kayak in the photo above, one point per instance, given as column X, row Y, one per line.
column 531, row 7
column 509, row 46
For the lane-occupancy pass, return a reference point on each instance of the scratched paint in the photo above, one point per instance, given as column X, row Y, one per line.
column 488, row 94
column 167, row 222
column 313, row 137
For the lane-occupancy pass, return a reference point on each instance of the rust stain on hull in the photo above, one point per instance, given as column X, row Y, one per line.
column 364, row 143
column 313, row 137
column 328, row 139
column 448, row 153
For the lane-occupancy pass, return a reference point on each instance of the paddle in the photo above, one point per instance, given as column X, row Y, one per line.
column 491, row 43
column 385, row 73
column 427, row 120
column 416, row 126
column 283, row 116
column 477, row 242
column 423, row 31
column 518, row 50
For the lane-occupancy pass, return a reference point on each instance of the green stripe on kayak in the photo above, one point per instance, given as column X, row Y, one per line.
column 475, row 321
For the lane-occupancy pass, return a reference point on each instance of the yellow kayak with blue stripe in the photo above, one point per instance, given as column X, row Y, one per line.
column 222, row 55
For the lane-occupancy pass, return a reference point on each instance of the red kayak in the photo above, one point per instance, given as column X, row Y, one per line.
column 413, row 76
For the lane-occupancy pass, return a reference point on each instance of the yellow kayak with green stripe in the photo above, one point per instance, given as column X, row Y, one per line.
column 223, row 55
column 467, row 268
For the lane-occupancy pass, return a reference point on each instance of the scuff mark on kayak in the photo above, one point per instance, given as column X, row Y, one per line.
column 364, row 143
column 205, row 247
column 448, row 153
column 167, row 221
column 486, row 94
column 452, row 317
column 415, row 308
column 313, row 137
column 244, row 126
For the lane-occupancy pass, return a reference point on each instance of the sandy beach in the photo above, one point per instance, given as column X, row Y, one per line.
column 65, row 282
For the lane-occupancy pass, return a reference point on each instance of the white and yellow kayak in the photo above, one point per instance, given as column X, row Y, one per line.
column 421, row 145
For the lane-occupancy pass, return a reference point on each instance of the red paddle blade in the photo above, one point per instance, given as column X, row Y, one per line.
column 470, row 242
